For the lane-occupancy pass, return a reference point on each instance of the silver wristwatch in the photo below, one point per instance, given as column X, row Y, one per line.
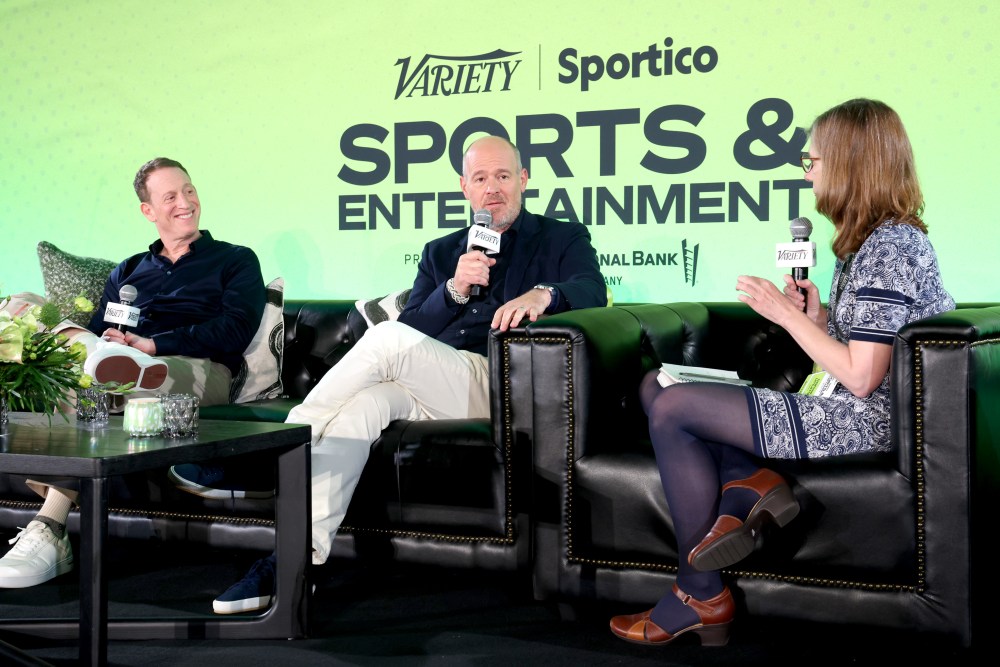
column 551, row 289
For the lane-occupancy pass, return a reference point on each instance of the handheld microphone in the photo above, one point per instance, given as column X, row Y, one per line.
column 481, row 237
column 800, row 254
column 123, row 315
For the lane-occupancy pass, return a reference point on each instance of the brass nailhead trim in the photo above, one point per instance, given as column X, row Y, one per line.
column 253, row 521
column 154, row 514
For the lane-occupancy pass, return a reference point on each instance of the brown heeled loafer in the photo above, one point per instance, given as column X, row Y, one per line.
column 712, row 628
column 731, row 540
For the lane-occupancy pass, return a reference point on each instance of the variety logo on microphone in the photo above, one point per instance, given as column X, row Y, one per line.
column 796, row 253
column 485, row 239
column 801, row 252
column 481, row 237
column 123, row 315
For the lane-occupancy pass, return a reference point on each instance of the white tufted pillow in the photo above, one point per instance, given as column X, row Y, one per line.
column 383, row 309
column 260, row 374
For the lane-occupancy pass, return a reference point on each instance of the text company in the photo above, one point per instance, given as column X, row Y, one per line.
column 619, row 65
column 677, row 203
column 456, row 75
column 373, row 153
column 687, row 258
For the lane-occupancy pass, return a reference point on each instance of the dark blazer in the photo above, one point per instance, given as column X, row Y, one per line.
column 546, row 251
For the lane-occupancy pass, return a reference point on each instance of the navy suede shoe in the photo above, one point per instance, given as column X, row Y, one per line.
column 212, row 481
column 251, row 593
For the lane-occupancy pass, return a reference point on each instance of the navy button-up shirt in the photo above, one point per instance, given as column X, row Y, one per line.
column 207, row 304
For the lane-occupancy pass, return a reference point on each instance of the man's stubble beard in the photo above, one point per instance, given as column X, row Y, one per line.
column 510, row 215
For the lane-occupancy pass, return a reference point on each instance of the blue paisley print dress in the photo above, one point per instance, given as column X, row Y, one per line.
column 892, row 280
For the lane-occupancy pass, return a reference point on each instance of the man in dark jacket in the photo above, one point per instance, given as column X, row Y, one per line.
column 431, row 363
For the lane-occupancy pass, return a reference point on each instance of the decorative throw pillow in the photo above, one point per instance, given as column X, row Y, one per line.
column 67, row 276
column 260, row 374
column 382, row 309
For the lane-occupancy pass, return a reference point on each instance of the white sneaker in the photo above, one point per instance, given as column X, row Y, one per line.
column 114, row 362
column 37, row 556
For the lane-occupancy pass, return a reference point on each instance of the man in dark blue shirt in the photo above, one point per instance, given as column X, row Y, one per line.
column 200, row 300
column 200, row 303
column 431, row 363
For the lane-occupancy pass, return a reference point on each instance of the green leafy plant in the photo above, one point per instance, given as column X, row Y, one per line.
column 38, row 367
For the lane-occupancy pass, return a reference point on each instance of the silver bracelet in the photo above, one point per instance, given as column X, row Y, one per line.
column 455, row 294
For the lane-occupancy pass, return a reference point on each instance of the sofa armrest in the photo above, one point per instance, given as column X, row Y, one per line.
column 945, row 398
column 586, row 368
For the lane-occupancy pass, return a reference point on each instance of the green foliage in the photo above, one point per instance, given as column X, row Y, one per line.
column 39, row 368
column 48, row 371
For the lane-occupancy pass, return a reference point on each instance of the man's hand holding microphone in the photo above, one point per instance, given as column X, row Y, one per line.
column 472, row 276
column 123, row 315
column 473, row 271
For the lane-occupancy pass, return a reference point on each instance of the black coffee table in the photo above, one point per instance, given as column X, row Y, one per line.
column 34, row 445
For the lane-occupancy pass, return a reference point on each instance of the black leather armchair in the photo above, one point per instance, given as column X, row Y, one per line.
column 891, row 540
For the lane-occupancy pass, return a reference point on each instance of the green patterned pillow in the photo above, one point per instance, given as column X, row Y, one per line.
column 68, row 276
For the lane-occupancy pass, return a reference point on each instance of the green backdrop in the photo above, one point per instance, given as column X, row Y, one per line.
column 324, row 134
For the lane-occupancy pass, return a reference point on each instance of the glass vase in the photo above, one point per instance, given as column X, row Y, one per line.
column 91, row 406
column 3, row 409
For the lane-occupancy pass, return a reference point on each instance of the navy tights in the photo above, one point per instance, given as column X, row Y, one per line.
column 702, row 439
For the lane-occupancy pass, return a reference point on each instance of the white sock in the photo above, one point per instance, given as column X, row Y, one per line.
column 56, row 509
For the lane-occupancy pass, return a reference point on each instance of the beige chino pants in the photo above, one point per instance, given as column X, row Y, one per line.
column 393, row 372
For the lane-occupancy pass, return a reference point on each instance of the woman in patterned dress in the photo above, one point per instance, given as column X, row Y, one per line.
column 709, row 438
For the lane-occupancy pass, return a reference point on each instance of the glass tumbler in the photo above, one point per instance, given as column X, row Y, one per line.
column 180, row 415
column 92, row 406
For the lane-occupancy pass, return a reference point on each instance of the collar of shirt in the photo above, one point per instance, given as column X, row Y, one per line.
column 156, row 247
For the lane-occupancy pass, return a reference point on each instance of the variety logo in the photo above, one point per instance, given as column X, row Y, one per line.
column 457, row 75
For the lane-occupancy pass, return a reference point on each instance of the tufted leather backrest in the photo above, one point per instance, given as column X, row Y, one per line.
column 730, row 335
column 317, row 335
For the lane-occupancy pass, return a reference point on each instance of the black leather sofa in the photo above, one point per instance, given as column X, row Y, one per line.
column 561, row 484
column 445, row 492
column 896, row 540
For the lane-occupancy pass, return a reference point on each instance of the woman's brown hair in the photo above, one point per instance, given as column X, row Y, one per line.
column 868, row 172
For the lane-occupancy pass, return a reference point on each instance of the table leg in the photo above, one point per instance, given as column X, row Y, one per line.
column 93, row 578
column 293, row 541
column 289, row 614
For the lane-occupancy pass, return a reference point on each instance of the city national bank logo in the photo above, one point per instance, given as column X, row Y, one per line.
column 686, row 258
column 457, row 75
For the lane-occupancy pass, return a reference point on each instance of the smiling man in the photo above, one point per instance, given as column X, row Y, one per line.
column 431, row 363
column 200, row 300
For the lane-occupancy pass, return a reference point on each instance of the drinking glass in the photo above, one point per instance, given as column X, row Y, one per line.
column 180, row 415
column 92, row 406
